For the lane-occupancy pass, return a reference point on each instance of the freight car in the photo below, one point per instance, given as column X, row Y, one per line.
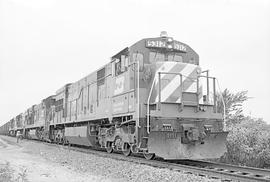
column 151, row 98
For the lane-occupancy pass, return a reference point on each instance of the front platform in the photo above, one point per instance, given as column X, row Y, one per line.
column 167, row 144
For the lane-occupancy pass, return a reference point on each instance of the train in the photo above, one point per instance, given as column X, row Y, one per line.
column 151, row 98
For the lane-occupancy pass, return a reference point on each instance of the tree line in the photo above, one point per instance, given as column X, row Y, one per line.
column 248, row 142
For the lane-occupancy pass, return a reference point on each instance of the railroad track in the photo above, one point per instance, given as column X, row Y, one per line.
column 224, row 172
column 243, row 173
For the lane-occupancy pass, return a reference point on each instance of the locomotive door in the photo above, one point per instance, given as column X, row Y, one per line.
column 123, row 85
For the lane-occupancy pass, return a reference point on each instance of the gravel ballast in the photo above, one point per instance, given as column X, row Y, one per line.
column 107, row 168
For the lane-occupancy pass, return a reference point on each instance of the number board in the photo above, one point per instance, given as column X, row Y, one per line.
column 171, row 135
column 164, row 44
column 179, row 47
column 156, row 43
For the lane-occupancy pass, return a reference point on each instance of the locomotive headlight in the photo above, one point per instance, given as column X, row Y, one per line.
column 170, row 40
column 170, row 46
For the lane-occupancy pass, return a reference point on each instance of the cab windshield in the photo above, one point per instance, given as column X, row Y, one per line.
column 158, row 56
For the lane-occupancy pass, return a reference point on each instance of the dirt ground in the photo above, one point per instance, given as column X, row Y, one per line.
column 26, row 166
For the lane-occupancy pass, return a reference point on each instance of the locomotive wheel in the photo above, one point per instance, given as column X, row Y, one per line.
column 109, row 147
column 126, row 149
column 148, row 156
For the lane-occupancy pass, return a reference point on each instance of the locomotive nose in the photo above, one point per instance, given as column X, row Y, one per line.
column 174, row 78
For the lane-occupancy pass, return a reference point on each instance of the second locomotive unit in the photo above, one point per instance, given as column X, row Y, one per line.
column 151, row 98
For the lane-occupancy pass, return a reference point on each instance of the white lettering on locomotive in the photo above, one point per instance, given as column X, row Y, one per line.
column 156, row 43
column 163, row 44
column 179, row 47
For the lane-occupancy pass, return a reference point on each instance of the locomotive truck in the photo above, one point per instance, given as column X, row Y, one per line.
column 151, row 98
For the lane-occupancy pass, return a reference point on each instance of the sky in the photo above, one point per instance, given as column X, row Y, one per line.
column 46, row 44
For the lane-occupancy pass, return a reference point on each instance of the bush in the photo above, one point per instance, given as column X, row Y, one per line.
column 248, row 144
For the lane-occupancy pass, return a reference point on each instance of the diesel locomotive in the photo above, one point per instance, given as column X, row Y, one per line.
column 151, row 98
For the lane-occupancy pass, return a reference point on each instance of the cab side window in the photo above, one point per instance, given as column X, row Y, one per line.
column 156, row 57
column 121, row 64
column 117, row 68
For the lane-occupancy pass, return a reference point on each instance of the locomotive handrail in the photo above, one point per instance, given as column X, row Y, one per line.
column 138, row 92
column 214, row 88
column 207, row 77
column 170, row 73
column 148, row 101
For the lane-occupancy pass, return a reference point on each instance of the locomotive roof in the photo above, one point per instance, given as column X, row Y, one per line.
column 141, row 44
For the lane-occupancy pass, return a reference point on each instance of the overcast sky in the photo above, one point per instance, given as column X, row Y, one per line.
column 46, row 44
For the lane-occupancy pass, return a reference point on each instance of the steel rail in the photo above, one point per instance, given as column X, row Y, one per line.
column 228, row 171
column 233, row 168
